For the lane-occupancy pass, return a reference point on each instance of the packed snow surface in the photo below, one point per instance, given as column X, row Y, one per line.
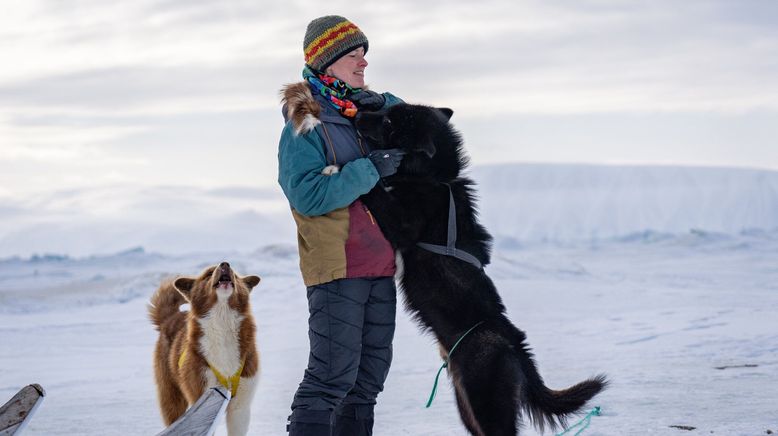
column 667, row 282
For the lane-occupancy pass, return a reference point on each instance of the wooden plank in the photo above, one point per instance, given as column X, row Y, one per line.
column 17, row 412
column 202, row 418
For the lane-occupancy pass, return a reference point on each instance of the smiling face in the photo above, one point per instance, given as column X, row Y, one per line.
column 350, row 68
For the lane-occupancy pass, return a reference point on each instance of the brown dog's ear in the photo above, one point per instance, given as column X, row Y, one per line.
column 446, row 112
column 184, row 286
column 426, row 145
column 250, row 281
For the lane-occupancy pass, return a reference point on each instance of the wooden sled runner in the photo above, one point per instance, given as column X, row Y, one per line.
column 17, row 412
column 202, row 418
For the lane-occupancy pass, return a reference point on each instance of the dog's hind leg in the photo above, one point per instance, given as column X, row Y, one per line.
column 463, row 402
column 487, row 392
column 172, row 402
column 465, row 411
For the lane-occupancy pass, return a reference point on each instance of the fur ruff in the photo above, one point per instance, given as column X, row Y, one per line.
column 301, row 108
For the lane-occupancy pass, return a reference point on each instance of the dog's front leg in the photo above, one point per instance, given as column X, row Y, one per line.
column 239, row 409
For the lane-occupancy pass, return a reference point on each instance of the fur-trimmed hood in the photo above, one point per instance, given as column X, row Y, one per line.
column 300, row 107
column 307, row 110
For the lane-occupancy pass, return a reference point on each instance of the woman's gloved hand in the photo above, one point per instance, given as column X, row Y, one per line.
column 386, row 161
column 368, row 100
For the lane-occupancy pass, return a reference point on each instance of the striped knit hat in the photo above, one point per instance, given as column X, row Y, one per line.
column 328, row 38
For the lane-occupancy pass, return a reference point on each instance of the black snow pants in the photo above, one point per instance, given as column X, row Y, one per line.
column 350, row 327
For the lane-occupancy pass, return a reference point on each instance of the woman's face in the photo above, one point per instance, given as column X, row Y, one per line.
column 350, row 68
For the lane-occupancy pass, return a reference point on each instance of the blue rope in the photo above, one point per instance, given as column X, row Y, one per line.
column 584, row 422
column 445, row 363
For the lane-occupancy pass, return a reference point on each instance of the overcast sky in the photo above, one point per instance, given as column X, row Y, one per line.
column 185, row 92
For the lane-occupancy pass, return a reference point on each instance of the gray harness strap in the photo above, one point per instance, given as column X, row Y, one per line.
column 450, row 248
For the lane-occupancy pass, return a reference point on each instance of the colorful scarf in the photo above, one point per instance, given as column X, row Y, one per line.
column 335, row 90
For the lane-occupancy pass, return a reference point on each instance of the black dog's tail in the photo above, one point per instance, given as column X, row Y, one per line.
column 552, row 407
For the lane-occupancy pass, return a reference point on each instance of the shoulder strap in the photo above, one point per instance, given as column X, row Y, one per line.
column 325, row 136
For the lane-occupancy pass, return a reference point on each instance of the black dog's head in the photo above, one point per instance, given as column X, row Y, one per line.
column 432, row 146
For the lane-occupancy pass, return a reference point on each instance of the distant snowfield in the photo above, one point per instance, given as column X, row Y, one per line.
column 577, row 202
column 519, row 203
column 629, row 290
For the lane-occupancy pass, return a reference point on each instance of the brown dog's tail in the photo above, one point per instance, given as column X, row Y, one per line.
column 552, row 407
column 164, row 303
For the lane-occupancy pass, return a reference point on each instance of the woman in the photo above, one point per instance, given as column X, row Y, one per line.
column 346, row 262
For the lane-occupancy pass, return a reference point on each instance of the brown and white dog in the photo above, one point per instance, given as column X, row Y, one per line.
column 210, row 345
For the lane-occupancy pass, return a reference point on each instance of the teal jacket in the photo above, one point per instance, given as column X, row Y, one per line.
column 337, row 235
column 302, row 156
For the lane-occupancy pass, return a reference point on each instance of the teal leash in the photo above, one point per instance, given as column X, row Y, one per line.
column 584, row 422
column 445, row 363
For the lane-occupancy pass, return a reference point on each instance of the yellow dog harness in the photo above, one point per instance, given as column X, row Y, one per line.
column 230, row 383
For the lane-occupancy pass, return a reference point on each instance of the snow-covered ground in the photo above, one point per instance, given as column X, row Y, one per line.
column 670, row 274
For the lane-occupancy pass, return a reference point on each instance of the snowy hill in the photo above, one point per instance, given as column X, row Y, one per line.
column 168, row 219
column 577, row 202
column 519, row 203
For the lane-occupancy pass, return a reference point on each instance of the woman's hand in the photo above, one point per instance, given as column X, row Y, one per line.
column 368, row 100
column 386, row 161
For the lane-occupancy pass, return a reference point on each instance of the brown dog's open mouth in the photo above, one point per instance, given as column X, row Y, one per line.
column 224, row 281
column 225, row 276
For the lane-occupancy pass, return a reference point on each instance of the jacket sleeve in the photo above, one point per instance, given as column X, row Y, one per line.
column 391, row 100
column 300, row 161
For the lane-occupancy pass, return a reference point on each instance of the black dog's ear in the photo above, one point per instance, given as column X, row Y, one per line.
column 369, row 123
column 426, row 145
column 447, row 112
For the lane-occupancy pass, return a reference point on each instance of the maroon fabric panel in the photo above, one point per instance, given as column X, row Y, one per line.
column 368, row 253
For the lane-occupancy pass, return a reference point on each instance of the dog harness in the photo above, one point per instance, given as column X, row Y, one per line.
column 450, row 248
column 231, row 383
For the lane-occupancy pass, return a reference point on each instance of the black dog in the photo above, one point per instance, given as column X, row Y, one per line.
column 493, row 371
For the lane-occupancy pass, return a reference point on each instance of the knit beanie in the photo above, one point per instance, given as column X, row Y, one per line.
column 328, row 38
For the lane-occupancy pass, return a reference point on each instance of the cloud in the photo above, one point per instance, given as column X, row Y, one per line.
column 545, row 57
column 50, row 38
column 146, row 91
column 599, row 57
column 688, row 138
column 142, row 90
